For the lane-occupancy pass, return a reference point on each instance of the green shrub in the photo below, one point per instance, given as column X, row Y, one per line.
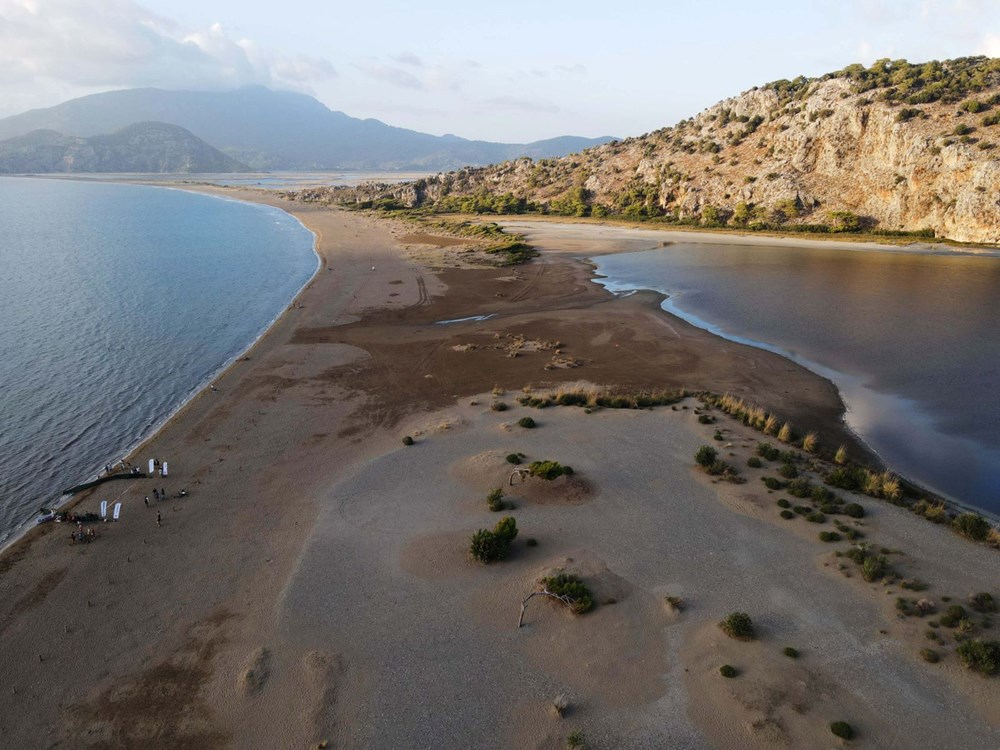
column 963, row 129
column 980, row 656
column 930, row 656
column 407, row 440
column 788, row 471
column 815, row 517
column 854, row 510
column 526, row 422
column 491, row 546
column 787, row 514
column 498, row 406
column 575, row 740
column 972, row 525
column 705, row 419
column 727, row 670
column 547, row 470
column 754, row 463
column 531, row 542
column 983, row 602
column 513, row 458
column 573, row 589
column 494, row 500
column 705, row 456
column 842, row 729
column 767, row 451
column 953, row 616
column 848, row 478
column 874, row 567
column 772, row 483
column 783, row 503
column 738, row 625
column 800, row 487
column 829, row 536
column 790, row 652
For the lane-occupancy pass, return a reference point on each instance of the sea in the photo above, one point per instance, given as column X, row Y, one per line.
column 911, row 339
column 117, row 304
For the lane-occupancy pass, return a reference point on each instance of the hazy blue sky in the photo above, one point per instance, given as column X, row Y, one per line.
column 507, row 71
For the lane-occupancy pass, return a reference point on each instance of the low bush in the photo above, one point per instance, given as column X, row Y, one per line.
column 815, row 517
column 800, row 487
column 754, row 463
column 575, row 740
column 842, row 729
column 788, row 471
column 772, row 483
column 783, row 503
column 498, row 406
column 531, row 542
column 767, row 451
column 513, row 458
column 787, row 514
column 491, row 546
column 929, row 655
column 738, row 625
column 705, row 419
column 953, row 616
column 980, row 656
column 727, row 670
column 571, row 588
column 705, row 456
column 854, row 510
column 407, row 440
column 874, row 567
column 972, row 526
column 494, row 500
column 934, row 512
column 790, row 652
column 983, row 602
column 848, row 478
column 548, row 470
column 526, row 422
column 829, row 536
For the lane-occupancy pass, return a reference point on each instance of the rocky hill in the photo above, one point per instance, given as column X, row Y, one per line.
column 894, row 148
column 280, row 130
column 147, row 147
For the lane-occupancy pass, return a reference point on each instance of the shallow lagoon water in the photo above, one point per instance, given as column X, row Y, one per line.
column 912, row 340
column 117, row 302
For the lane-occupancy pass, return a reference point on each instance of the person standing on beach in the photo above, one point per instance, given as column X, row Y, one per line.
column 158, row 519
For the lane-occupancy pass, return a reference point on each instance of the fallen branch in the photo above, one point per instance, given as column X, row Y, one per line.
column 569, row 602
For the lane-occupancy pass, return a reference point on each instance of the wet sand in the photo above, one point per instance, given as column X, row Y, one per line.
column 313, row 584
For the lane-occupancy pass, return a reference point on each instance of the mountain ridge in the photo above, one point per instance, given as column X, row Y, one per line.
column 271, row 130
column 145, row 147
column 895, row 148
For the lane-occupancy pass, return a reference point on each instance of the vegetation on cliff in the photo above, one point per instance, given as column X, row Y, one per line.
column 895, row 149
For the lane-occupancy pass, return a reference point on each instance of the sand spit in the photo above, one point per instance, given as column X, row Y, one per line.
column 314, row 585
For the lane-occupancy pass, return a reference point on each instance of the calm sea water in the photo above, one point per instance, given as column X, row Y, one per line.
column 117, row 302
column 911, row 340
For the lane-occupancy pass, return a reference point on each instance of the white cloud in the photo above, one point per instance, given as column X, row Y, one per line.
column 66, row 45
column 990, row 45
column 392, row 75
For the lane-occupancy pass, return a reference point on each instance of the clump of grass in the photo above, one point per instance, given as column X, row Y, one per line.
column 767, row 451
column 527, row 423
column 840, row 457
column 842, row 729
column 772, row 483
column 783, row 503
column 829, row 536
column 738, row 625
column 494, row 500
column 771, row 425
column 785, row 434
column 498, row 406
column 930, row 656
column 548, row 470
column 953, row 616
column 675, row 603
column 933, row 512
column 513, row 458
column 575, row 740
column 972, row 526
column 407, row 440
column 809, row 442
column 705, row 419
column 787, row 514
column 559, row 705
column 754, row 463
column 815, row 517
column 854, row 510
column 788, row 471
column 727, row 670
column 790, row 652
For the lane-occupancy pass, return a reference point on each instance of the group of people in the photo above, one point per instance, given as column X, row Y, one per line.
column 80, row 535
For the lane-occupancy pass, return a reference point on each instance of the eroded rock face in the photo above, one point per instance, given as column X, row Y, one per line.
column 897, row 166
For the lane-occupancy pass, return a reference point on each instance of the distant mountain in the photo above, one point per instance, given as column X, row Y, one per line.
column 149, row 147
column 271, row 130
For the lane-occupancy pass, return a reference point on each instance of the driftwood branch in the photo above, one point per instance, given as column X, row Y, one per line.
column 520, row 474
column 544, row 592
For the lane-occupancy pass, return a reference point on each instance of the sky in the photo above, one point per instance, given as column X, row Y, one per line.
column 514, row 71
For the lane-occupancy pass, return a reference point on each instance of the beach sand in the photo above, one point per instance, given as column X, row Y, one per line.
column 314, row 584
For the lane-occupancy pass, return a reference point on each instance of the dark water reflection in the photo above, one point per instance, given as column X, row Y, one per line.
column 912, row 340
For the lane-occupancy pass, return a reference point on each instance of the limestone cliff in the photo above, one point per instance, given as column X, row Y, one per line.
column 894, row 148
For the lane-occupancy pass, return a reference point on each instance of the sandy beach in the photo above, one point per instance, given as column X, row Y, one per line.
column 313, row 587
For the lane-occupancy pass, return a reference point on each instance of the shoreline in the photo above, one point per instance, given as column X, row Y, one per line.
column 66, row 501
column 247, row 619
